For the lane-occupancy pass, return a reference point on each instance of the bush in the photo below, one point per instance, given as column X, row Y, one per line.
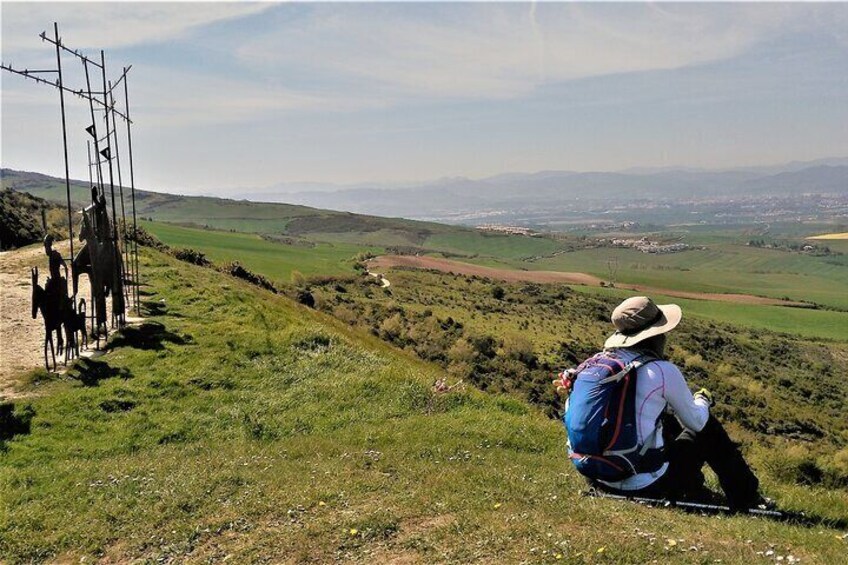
column 192, row 256
column 236, row 270
column 305, row 297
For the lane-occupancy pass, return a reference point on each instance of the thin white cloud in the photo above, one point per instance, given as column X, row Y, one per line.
column 194, row 98
column 507, row 51
column 112, row 24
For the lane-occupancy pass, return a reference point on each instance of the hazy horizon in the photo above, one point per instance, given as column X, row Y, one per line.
column 229, row 97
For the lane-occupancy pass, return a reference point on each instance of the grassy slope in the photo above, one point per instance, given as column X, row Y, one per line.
column 274, row 260
column 240, row 424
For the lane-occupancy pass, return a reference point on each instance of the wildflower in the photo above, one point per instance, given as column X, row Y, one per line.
column 353, row 531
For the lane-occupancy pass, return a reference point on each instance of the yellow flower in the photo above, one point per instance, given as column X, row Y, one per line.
column 322, row 503
column 353, row 531
column 558, row 556
column 602, row 549
column 497, row 505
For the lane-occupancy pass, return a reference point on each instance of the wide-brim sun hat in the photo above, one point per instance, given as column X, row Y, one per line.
column 638, row 318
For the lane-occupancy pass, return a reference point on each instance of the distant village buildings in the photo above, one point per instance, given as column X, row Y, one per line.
column 511, row 230
column 646, row 246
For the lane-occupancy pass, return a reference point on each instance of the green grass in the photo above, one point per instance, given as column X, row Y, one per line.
column 807, row 323
column 237, row 424
column 276, row 261
column 492, row 245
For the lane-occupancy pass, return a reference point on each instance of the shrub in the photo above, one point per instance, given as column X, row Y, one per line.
column 794, row 465
column 305, row 297
column 236, row 270
column 192, row 256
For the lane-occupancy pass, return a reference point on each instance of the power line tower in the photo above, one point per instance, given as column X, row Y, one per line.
column 612, row 269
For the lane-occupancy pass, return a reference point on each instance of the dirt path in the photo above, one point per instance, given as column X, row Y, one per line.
column 384, row 282
column 512, row 275
column 21, row 337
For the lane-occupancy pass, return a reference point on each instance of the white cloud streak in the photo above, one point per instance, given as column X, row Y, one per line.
column 105, row 25
column 497, row 51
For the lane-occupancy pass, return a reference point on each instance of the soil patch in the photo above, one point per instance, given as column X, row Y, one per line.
column 21, row 337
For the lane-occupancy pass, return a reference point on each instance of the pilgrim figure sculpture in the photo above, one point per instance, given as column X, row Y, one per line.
column 100, row 259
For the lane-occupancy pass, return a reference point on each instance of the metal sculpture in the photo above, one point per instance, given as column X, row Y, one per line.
column 101, row 260
column 109, row 256
column 49, row 308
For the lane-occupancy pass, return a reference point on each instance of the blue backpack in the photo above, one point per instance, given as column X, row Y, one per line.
column 600, row 419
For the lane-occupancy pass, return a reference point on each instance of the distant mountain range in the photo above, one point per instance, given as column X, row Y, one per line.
column 520, row 191
column 508, row 196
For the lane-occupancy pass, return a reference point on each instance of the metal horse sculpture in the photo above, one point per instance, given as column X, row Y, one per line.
column 58, row 314
column 100, row 259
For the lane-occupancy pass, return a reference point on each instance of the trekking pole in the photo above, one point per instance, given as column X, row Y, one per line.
column 700, row 507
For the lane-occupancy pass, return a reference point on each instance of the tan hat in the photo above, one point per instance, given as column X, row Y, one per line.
column 638, row 318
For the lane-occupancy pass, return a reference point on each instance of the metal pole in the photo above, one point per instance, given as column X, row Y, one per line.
column 90, row 178
column 137, row 280
column 97, row 162
column 65, row 147
column 127, row 266
column 117, row 250
column 93, row 125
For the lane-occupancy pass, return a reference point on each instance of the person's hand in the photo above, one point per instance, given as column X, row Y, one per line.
column 564, row 381
column 706, row 395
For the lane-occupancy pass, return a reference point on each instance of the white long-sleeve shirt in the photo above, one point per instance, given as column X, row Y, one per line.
column 660, row 387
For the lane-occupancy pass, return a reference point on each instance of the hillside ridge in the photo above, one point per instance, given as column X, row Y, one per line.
column 239, row 424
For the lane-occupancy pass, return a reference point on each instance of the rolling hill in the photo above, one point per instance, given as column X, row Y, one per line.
column 238, row 215
column 236, row 425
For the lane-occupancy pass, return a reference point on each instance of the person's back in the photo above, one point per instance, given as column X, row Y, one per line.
column 668, row 417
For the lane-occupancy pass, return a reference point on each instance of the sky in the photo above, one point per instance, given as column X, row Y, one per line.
column 231, row 97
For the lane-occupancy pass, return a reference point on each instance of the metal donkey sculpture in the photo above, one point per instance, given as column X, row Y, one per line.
column 101, row 260
column 58, row 313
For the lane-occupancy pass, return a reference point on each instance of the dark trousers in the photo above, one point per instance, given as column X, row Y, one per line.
column 687, row 451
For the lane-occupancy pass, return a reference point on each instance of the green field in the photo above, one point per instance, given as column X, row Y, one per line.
column 274, row 260
column 239, row 426
column 491, row 245
column 811, row 324
column 723, row 268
